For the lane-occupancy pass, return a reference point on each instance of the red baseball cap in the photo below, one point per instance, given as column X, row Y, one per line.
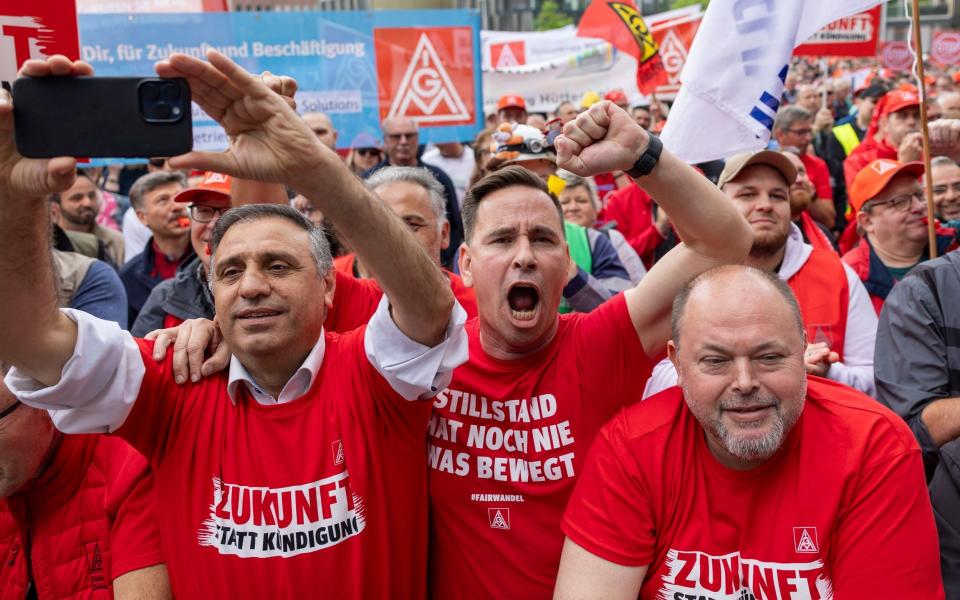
column 213, row 184
column 898, row 100
column 616, row 96
column 873, row 178
column 511, row 101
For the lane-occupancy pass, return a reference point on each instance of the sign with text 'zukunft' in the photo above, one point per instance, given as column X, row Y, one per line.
column 358, row 67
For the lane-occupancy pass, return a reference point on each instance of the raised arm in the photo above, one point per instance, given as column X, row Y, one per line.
column 605, row 138
column 34, row 335
column 271, row 143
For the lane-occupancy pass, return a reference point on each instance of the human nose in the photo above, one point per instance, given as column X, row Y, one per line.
column 253, row 284
column 744, row 380
column 524, row 259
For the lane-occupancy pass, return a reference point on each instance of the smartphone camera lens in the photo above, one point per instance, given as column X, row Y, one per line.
column 160, row 101
column 171, row 91
column 150, row 91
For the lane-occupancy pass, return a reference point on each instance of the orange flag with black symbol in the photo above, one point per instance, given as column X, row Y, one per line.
column 619, row 22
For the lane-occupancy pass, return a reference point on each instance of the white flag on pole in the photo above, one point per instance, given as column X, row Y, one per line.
column 733, row 79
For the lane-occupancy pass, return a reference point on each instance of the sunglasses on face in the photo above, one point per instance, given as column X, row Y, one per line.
column 369, row 152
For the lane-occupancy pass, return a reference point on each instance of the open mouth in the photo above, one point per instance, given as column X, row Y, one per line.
column 523, row 299
column 748, row 413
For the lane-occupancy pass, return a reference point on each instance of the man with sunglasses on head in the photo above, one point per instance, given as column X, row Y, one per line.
column 891, row 216
column 186, row 295
column 401, row 138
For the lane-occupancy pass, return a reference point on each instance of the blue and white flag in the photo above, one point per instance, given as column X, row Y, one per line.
column 733, row 78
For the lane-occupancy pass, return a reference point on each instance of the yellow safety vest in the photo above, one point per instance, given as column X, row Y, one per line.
column 847, row 136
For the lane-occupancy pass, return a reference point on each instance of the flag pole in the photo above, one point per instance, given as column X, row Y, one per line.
column 924, row 130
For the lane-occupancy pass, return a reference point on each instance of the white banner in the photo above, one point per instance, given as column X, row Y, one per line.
column 551, row 67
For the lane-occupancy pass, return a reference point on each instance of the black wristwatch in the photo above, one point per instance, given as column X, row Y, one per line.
column 648, row 160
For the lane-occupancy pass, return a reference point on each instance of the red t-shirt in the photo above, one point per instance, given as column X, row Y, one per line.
column 505, row 444
column 819, row 174
column 843, row 505
column 322, row 496
column 355, row 300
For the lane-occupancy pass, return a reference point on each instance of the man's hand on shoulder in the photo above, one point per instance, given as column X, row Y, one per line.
column 198, row 349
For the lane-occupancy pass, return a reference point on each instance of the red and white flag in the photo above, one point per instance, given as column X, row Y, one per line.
column 619, row 22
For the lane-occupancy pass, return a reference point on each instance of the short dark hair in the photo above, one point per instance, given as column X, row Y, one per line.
column 151, row 181
column 680, row 301
column 506, row 177
column 319, row 247
column 55, row 197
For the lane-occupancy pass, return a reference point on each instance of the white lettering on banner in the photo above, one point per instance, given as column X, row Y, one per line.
column 330, row 102
column 427, row 86
column 262, row 522
column 673, row 54
column 732, row 577
column 516, row 427
column 20, row 39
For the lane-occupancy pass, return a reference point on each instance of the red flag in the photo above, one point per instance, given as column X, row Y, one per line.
column 619, row 22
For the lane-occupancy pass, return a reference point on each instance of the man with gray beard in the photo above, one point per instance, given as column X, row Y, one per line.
column 752, row 479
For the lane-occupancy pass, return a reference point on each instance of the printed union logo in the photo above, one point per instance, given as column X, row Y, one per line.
column 427, row 86
column 805, row 540
column 507, row 54
column 673, row 54
column 337, row 448
column 499, row 518
column 215, row 178
column 882, row 166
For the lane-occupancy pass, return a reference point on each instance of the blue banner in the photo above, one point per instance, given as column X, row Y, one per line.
column 332, row 55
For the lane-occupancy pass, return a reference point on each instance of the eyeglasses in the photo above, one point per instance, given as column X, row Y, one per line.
column 9, row 409
column 369, row 152
column 900, row 203
column 205, row 214
column 800, row 131
column 396, row 137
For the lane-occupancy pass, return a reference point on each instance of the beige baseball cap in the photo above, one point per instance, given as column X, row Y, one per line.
column 772, row 158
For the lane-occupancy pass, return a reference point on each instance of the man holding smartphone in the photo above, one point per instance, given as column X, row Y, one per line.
column 302, row 465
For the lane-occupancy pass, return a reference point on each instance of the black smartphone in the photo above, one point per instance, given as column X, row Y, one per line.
column 108, row 117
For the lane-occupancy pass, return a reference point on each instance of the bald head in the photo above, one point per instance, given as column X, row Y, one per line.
column 323, row 127
column 735, row 290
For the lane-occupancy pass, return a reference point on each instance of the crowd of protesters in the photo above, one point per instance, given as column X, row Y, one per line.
column 553, row 361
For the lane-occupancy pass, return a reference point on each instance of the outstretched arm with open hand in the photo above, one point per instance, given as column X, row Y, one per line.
column 272, row 144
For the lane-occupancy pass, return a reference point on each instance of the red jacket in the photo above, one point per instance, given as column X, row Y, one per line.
column 813, row 234
column 869, row 150
column 823, row 294
column 632, row 209
column 87, row 519
column 874, row 274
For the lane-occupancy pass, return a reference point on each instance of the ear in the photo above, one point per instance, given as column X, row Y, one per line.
column 466, row 264
column 330, row 281
column 445, row 235
column 141, row 215
column 865, row 221
column 672, row 354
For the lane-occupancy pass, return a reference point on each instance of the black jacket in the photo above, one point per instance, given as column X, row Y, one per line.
column 139, row 282
column 186, row 296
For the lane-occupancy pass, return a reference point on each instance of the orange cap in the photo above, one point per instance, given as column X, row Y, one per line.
column 511, row 101
column 214, row 184
column 873, row 178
